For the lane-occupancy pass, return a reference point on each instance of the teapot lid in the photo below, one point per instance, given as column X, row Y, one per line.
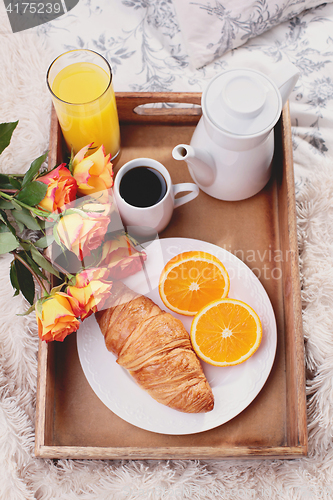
column 242, row 102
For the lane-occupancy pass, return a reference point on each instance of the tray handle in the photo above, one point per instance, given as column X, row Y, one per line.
column 132, row 107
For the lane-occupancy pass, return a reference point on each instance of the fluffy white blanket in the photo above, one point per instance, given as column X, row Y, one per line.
column 23, row 96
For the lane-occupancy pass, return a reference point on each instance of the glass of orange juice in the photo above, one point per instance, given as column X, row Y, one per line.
column 80, row 82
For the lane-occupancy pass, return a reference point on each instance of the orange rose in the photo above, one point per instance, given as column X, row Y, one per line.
column 81, row 232
column 92, row 173
column 57, row 316
column 61, row 188
column 91, row 289
column 121, row 257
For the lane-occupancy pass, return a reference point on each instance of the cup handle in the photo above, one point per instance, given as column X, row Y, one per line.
column 185, row 186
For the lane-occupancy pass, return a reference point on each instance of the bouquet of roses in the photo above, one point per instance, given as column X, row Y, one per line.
column 63, row 222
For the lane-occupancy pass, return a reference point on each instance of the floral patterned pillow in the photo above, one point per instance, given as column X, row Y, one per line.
column 211, row 28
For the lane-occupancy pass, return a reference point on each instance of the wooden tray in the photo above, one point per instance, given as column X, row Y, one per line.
column 71, row 422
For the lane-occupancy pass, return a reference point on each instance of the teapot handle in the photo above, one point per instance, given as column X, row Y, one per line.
column 285, row 78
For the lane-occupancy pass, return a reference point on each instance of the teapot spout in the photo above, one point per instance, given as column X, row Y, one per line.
column 285, row 78
column 200, row 163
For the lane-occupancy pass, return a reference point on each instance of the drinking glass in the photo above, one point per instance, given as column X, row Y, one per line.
column 80, row 82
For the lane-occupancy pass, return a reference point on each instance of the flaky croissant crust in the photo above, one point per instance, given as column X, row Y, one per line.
column 155, row 348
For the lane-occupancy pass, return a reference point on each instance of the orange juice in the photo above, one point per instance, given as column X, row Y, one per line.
column 86, row 107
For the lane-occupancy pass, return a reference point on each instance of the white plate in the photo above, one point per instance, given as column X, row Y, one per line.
column 234, row 387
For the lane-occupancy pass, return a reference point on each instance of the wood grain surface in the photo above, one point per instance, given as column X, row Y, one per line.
column 71, row 422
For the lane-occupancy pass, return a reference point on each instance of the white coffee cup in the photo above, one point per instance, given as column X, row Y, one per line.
column 149, row 220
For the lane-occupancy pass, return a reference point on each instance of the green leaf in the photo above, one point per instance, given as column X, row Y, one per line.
column 8, row 242
column 42, row 262
column 20, row 227
column 26, row 245
column 4, row 179
column 70, row 163
column 3, row 227
column 5, row 182
column 57, row 289
column 26, row 218
column 6, row 205
column 32, row 194
column 34, row 169
column 45, row 241
column 41, row 223
column 26, row 256
column 56, row 237
column 4, row 218
column 15, row 182
column 26, row 282
column 13, row 278
column 28, row 311
column 34, row 266
column 16, row 205
column 6, row 131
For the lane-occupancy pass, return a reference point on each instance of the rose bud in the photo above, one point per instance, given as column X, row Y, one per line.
column 121, row 257
column 91, row 289
column 57, row 316
column 92, row 173
column 61, row 188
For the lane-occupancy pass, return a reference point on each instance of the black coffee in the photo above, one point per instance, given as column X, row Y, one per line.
column 142, row 187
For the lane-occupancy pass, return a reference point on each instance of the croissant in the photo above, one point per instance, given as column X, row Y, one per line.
column 156, row 349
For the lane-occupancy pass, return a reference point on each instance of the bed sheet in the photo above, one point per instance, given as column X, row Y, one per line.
column 143, row 43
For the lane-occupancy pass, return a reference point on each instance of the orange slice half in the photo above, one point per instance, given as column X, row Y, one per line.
column 191, row 280
column 226, row 332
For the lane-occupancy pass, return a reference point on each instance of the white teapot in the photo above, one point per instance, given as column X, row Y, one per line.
column 231, row 150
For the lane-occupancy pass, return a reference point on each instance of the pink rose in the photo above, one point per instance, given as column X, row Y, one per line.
column 91, row 290
column 82, row 232
column 92, row 173
column 57, row 316
column 121, row 257
column 61, row 188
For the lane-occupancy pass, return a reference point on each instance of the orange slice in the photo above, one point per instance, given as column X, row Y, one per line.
column 226, row 332
column 191, row 280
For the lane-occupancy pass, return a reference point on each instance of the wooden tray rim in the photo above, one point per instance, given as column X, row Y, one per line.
column 280, row 452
